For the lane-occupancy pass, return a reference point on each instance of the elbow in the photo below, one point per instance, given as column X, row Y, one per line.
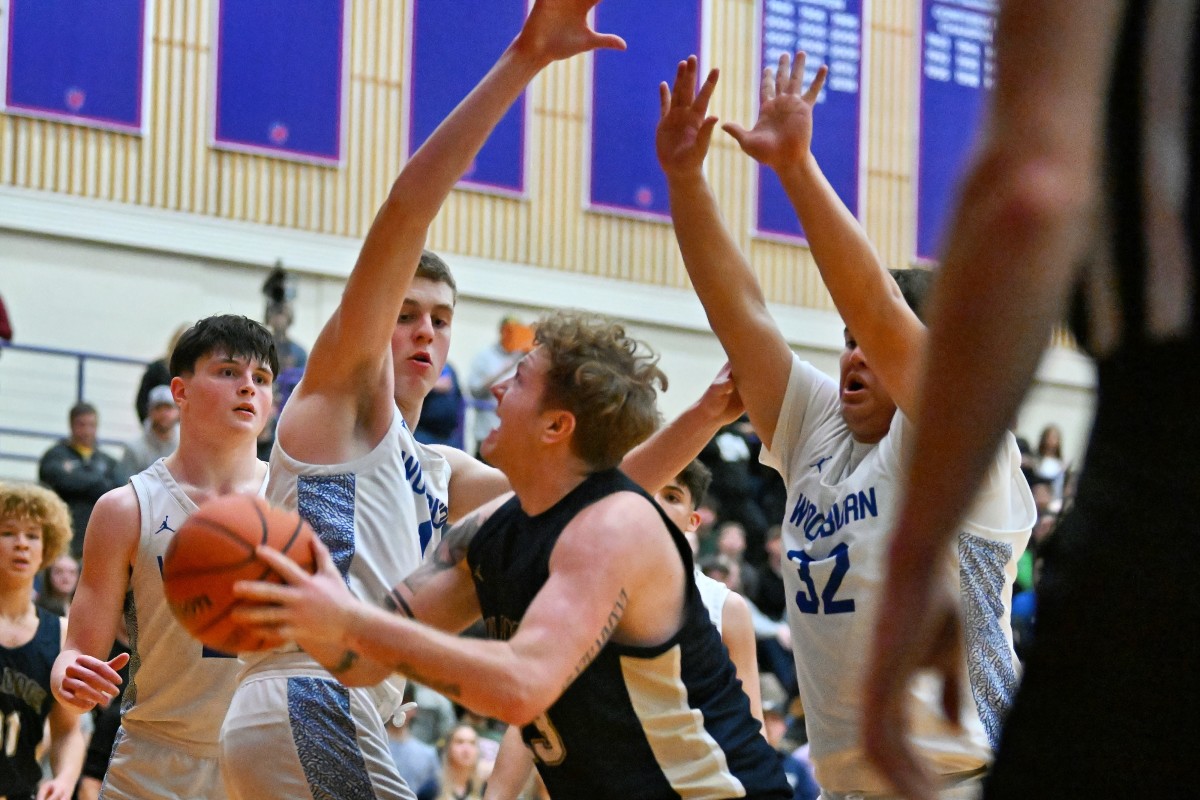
column 521, row 702
column 1029, row 196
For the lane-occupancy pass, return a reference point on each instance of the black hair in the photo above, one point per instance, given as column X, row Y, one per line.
column 914, row 285
column 696, row 478
column 233, row 334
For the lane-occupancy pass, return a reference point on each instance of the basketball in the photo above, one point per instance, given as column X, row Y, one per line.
column 213, row 550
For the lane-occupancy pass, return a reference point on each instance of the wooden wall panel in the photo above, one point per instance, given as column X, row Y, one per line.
column 173, row 166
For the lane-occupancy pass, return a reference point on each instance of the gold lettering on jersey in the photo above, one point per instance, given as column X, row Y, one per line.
column 501, row 628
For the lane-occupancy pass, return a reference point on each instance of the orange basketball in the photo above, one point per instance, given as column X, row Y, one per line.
column 213, row 550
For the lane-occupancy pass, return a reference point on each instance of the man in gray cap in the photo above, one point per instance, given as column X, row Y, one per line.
column 160, row 434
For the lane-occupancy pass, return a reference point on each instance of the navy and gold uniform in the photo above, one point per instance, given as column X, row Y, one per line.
column 1109, row 705
column 640, row 722
column 25, row 702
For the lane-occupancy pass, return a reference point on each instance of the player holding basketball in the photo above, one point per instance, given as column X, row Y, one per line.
column 345, row 457
column 1085, row 183
column 35, row 529
column 603, row 651
column 840, row 445
column 222, row 369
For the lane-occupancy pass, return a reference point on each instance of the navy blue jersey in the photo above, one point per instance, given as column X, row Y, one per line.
column 640, row 722
column 25, row 702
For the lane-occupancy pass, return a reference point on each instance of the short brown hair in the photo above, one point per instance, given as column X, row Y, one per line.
column 609, row 381
column 32, row 503
column 433, row 268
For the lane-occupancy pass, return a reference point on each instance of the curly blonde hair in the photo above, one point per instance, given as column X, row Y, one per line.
column 609, row 381
column 28, row 502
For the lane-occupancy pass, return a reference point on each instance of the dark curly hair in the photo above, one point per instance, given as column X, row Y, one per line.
column 609, row 381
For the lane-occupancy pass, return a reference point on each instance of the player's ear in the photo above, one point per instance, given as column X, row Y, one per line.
column 693, row 522
column 559, row 426
column 178, row 389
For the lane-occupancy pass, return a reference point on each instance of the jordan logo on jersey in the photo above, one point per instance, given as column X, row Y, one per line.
column 165, row 525
column 819, row 464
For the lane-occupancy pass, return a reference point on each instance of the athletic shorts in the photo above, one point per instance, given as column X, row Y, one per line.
column 290, row 735
column 143, row 768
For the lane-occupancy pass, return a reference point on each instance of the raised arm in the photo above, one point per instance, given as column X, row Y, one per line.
column 350, row 359
column 866, row 296
column 81, row 677
column 655, row 462
column 1020, row 229
column 727, row 287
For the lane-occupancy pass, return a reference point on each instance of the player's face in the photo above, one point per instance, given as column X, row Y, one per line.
column 421, row 339
column 676, row 501
column 20, row 549
column 519, row 409
column 867, row 408
column 227, row 392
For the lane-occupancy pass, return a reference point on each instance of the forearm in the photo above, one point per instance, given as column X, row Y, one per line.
column 67, row 751
column 723, row 279
column 865, row 294
column 655, row 462
column 485, row 676
column 514, row 764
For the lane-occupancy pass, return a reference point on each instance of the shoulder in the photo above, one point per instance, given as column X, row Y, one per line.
column 118, row 515
column 624, row 521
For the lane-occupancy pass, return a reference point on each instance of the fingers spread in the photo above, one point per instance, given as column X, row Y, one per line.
column 767, row 87
column 814, row 88
column 706, row 91
column 289, row 570
column 782, row 74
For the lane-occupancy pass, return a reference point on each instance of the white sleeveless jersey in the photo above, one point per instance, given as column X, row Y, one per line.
column 379, row 515
column 178, row 689
column 839, row 517
column 713, row 593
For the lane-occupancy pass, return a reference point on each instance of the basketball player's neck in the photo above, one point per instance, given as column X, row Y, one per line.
column 540, row 483
column 210, row 466
column 16, row 603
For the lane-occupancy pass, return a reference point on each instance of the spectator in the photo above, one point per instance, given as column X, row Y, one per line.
column 157, row 374
column 58, row 585
column 490, row 365
column 78, row 471
column 442, row 415
column 731, row 545
column 1051, row 466
column 437, row 717
column 160, row 434
column 5, row 325
column 279, row 291
column 460, row 764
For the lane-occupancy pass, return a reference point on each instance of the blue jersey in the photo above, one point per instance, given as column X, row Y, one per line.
column 640, row 722
column 25, row 702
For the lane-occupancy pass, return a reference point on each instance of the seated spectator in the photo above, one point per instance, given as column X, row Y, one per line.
column 58, row 585
column 79, row 472
column 160, row 434
column 1051, row 466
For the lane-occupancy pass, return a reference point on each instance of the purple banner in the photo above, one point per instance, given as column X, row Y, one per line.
column 957, row 66
column 280, row 78
column 78, row 61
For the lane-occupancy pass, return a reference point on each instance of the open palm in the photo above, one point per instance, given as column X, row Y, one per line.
column 558, row 29
column 684, row 127
column 782, row 134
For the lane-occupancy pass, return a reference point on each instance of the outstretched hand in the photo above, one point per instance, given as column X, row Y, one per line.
column 89, row 682
column 923, row 628
column 311, row 610
column 782, row 136
column 684, row 127
column 558, row 29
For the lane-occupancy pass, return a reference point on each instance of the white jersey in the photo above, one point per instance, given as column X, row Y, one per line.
column 379, row 515
column 713, row 593
column 842, row 499
column 178, row 689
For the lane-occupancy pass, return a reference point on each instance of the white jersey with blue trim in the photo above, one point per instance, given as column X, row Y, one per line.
column 379, row 515
column 178, row 689
column 714, row 594
column 842, row 499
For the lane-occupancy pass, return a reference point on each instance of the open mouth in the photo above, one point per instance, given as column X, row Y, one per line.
column 247, row 409
column 421, row 358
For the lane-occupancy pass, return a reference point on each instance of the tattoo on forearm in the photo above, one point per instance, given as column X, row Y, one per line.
column 605, row 634
column 349, row 659
column 450, row 552
column 439, row 685
column 396, row 603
